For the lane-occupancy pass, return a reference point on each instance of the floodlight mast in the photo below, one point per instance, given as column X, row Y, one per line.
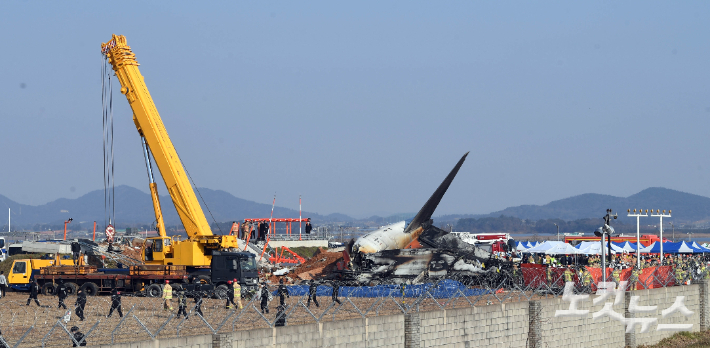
column 661, row 215
column 638, row 233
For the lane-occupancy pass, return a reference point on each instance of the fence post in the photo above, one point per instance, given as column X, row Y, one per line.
column 534, row 330
column 412, row 337
column 704, row 305
column 629, row 337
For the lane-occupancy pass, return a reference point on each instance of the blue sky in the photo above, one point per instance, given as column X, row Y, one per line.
column 363, row 108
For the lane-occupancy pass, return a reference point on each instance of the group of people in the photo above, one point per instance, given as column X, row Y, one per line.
column 683, row 268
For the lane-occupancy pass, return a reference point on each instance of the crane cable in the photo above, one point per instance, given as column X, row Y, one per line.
column 107, row 106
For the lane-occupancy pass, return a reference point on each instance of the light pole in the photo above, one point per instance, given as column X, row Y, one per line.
column 602, row 232
column 661, row 215
column 558, row 231
column 638, row 234
column 690, row 235
column 673, row 229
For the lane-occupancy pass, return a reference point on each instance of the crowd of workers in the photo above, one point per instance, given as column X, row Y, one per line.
column 259, row 231
column 684, row 268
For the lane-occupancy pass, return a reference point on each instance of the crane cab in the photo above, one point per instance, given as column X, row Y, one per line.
column 157, row 249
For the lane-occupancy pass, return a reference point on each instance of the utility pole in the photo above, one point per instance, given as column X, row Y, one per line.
column 638, row 234
column 558, row 231
column 661, row 215
column 673, row 229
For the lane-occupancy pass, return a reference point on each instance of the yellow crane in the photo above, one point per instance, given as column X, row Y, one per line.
column 164, row 250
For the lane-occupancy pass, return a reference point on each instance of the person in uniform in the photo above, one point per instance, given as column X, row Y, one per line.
column 78, row 337
column 265, row 298
column 80, row 304
column 230, row 297
column 587, row 280
column 312, row 289
column 283, row 292
column 197, row 297
column 336, row 291
column 182, row 303
column 167, row 296
column 34, row 290
column 61, row 293
column 115, row 303
column 237, row 292
column 634, row 279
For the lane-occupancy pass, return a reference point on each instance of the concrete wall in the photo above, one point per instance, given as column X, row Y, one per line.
column 503, row 325
column 520, row 324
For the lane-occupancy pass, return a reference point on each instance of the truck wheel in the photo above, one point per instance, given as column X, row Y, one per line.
column 204, row 279
column 90, row 289
column 48, row 289
column 220, row 292
column 154, row 290
column 71, row 288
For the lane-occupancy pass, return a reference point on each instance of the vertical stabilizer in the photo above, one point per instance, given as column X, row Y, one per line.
column 424, row 215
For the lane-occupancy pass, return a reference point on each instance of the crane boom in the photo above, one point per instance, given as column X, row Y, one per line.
column 150, row 126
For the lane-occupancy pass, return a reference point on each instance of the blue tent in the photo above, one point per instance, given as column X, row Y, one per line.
column 668, row 248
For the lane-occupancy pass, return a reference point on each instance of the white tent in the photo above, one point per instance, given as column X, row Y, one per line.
column 626, row 246
column 592, row 248
column 521, row 247
column 543, row 247
column 562, row 249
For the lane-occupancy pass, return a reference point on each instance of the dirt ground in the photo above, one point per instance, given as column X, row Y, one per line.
column 684, row 340
column 16, row 318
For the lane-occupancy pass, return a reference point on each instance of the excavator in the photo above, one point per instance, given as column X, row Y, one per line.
column 202, row 246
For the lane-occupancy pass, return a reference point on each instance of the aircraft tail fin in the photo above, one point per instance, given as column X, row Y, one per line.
column 424, row 215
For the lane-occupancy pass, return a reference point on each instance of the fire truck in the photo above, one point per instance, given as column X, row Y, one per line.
column 646, row 239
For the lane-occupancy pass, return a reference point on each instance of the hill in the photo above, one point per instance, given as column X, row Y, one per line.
column 134, row 206
column 686, row 207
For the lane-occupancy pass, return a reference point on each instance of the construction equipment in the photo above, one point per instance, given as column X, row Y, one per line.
column 196, row 251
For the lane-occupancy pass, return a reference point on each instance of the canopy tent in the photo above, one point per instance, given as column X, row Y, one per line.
column 543, row 247
column 521, row 247
column 592, row 248
column 668, row 248
column 695, row 245
column 562, row 249
column 626, row 246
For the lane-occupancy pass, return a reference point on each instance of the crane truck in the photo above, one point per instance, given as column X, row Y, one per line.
column 211, row 258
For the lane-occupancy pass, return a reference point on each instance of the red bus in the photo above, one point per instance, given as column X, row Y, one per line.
column 646, row 239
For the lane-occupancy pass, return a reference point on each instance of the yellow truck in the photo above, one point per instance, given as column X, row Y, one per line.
column 24, row 269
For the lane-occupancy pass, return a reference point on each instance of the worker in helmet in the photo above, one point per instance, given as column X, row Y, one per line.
column 237, row 289
column 230, row 297
column 167, row 296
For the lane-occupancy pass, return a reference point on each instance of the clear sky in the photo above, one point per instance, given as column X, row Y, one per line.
column 364, row 107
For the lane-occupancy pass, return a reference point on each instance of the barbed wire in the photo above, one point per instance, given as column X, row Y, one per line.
column 145, row 318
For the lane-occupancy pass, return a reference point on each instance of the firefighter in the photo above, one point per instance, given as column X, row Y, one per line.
column 587, row 280
column 34, row 290
column 237, row 292
column 569, row 277
column 265, row 295
column 679, row 274
column 634, row 279
column 283, row 292
column 115, row 303
column 61, row 293
column 336, row 291
column 230, row 297
column 182, row 303
column 312, row 289
column 80, row 304
column 167, row 296
column 549, row 274
column 616, row 275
